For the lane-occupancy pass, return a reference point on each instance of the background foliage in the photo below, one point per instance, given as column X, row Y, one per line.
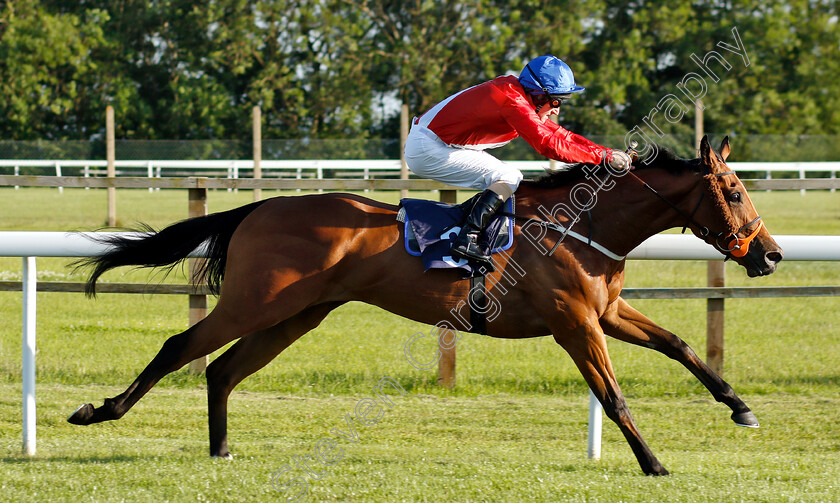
column 186, row 69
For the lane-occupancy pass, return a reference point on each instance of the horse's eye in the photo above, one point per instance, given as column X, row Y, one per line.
column 735, row 197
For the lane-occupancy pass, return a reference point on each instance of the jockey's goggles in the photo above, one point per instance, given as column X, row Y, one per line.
column 550, row 99
column 555, row 100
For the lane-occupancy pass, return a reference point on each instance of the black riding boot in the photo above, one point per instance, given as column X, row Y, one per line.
column 468, row 243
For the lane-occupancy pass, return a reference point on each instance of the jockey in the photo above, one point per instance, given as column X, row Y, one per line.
column 448, row 142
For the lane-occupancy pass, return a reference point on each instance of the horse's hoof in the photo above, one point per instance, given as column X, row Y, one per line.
column 82, row 415
column 658, row 472
column 746, row 419
column 226, row 455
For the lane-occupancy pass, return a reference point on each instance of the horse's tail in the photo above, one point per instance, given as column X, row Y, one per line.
column 171, row 246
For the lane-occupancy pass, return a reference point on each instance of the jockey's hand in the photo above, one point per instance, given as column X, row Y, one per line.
column 619, row 160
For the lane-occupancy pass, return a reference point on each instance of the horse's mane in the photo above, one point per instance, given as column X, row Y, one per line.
column 661, row 157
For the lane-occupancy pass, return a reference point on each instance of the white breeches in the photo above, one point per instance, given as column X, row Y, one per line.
column 428, row 156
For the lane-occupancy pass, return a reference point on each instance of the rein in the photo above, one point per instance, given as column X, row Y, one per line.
column 704, row 231
column 735, row 246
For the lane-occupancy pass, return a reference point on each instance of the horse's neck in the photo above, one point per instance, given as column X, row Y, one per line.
column 627, row 213
column 630, row 212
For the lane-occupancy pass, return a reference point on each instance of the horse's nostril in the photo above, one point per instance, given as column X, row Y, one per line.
column 773, row 257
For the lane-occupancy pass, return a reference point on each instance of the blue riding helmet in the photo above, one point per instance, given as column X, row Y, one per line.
column 550, row 75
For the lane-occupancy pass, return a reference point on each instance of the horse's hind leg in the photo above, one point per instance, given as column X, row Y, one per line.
column 199, row 340
column 625, row 323
column 588, row 348
column 247, row 356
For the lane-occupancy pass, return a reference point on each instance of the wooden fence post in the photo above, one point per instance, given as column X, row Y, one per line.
column 110, row 155
column 446, row 338
column 698, row 124
column 446, row 365
column 257, row 141
column 198, row 303
column 715, row 275
column 404, row 128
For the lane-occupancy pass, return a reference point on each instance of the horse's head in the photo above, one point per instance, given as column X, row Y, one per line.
column 734, row 226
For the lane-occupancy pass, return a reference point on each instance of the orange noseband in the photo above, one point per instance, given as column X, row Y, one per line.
column 739, row 247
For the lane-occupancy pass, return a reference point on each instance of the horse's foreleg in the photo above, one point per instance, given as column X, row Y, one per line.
column 625, row 323
column 247, row 356
column 199, row 340
column 588, row 348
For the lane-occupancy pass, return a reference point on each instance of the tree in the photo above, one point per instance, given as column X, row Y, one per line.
column 184, row 69
column 50, row 79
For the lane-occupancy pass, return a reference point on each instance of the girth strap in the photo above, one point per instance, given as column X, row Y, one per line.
column 478, row 305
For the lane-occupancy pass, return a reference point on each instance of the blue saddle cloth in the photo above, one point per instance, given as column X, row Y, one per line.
column 431, row 227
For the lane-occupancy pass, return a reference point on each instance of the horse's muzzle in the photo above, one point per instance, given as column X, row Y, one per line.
column 761, row 261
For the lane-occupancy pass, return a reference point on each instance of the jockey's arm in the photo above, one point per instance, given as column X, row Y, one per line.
column 551, row 140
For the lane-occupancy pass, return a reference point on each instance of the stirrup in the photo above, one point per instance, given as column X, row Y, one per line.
column 472, row 252
column 472, row 240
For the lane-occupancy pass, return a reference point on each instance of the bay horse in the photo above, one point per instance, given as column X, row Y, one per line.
column 288, row 261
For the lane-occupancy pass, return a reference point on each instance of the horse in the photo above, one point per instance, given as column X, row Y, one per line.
column 281, row 265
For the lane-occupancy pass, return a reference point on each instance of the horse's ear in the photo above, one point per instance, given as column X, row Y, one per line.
column 706, row 151
column 724, row 148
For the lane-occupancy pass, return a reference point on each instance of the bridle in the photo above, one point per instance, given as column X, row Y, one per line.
column 732, row 244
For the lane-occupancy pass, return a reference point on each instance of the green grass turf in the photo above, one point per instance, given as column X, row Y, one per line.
column 497, row 447
column 514, row 429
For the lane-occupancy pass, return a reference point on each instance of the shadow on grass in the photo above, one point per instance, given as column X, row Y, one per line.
column 821, row 380
column 23, row 460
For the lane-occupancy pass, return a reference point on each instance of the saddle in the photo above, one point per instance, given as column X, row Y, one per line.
column 431, row 226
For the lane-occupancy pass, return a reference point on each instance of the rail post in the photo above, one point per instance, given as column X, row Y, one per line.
column 111, row 156
column 58, row 174
column 30, row 287
column 257, row 149
column 715, row 276
column 447, row 338
column 198, row 303
column 596, row 423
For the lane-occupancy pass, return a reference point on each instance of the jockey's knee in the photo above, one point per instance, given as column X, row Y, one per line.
column 506, row 186
column 502, row 189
